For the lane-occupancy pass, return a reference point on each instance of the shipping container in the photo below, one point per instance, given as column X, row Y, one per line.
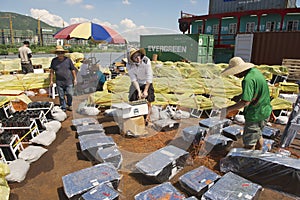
column 269, row 48
column 225, row 6
column 179, row 47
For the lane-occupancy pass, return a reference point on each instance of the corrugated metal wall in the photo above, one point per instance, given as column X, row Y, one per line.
column 225, row 6
column 271, row 47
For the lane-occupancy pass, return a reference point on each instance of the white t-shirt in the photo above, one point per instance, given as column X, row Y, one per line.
column 23, row 52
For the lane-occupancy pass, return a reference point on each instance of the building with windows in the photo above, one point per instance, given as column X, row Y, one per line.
column 227, row 18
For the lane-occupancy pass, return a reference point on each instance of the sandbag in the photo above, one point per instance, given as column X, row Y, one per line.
column 32, row 153
column 44, row 138
column 18, row 170
column 53, row 126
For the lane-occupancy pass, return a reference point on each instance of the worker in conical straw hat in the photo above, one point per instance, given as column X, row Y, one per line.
column 141, row 75
column 255, row 99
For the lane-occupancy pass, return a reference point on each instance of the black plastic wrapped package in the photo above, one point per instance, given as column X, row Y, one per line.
column 78, row 182
column 232, row 186
column 234, row 131
column 165, row 124
column 163, row 191
column 163, row 164
column 84, row 121
column 92, row 128
column 217, row 142
column 194, row 134
column 270, row 170
column 215, row 124
column 101, row 192
column 196, row 182
column 110, row 154
column 270, row 133
column 90, row 144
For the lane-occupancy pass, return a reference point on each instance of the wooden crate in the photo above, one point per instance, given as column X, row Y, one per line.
column 293, row 66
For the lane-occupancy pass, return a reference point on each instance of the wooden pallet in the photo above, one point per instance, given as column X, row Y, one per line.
column 293, row 66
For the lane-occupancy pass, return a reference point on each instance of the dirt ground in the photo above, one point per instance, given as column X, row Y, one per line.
column 44, row 178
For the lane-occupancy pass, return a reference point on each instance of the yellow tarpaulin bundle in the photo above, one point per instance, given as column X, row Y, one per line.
column 24, row 81
column 119, row 84
column 100, row 98
column 289, row 87
column 10, row 65
column 4, row 187
column 281, row 104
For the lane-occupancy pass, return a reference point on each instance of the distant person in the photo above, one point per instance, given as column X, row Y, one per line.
column 25, row 54
column 141, row 75
column 255, row 99
column 66, row 79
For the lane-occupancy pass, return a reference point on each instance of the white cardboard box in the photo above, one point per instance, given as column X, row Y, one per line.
column 125, row 110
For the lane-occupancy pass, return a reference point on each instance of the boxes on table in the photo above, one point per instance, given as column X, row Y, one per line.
column 163, row 164
column 232, row 186
column 78, row 182
column 90, row 144
column 217, row 142
column 270, row 133
column 84, row 121
column 214, row 124
column 163, row 191
column 165, row 124
column 101, row 192
column 194, row 133
column 234, row 132
column 126, row 110
column 87, row 129
column 134, row 126
column 198, row 181
column 110, row 154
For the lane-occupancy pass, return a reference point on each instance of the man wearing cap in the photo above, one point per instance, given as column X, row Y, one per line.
column 255, row 99
column 25, row 54
column 65, row 74
column 141, row 75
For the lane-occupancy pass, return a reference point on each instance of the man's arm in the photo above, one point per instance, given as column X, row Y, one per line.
column 74, row 77
column 51, row 77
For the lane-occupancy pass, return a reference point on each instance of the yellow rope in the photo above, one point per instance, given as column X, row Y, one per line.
column 24, row 136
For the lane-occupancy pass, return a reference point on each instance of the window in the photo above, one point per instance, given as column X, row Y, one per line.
column 270, row 26
column 250, row 27
column 215, row 29
column 232, row 28
column 292, row 25
column 200, row 28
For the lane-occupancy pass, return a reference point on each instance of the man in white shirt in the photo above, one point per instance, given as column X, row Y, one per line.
column 25, row 54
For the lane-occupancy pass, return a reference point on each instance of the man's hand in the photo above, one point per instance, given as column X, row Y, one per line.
column 51, row 83
column 145, row 94
column 75, row 82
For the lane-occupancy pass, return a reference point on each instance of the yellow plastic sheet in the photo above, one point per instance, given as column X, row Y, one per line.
column 4, row 187
column 281, row 104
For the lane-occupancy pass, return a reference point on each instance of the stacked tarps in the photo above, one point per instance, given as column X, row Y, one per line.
column 4, row 187
column 268, row 70
column 8, row 65
column 165, row 69
column 24, row 81
column 281, row 104
column 268, row 169
column 101, row 98
column 44, row 61
column 21, row 97
column 223, row 87
column 119, row 84
column 289, row 87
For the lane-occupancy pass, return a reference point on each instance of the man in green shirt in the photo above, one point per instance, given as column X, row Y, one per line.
column 255, row 99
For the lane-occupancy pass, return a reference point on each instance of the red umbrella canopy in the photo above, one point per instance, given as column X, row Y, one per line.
column 89, row 30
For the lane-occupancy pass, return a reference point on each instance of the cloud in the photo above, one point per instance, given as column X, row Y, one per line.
column 72, row 2
column 78, row 20
column 128, row 23
column 47, row 17
column 126, row 2
column 193, row 1
column 88, row 7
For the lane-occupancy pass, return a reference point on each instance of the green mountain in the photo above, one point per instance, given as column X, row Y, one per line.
column 22, row 22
